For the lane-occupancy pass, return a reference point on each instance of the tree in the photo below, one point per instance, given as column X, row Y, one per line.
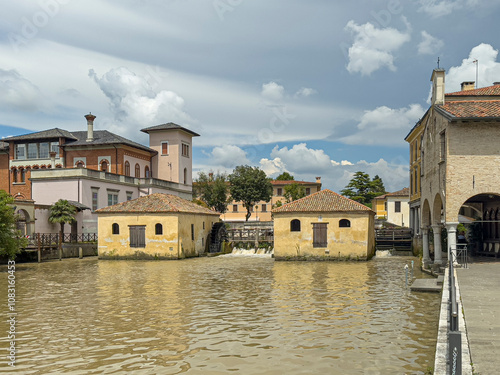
column 62, row 212
column 285, row 176
column 362, row 189
column 249, row 185
column 293, row 192
column 11, row 241
column 213, row 190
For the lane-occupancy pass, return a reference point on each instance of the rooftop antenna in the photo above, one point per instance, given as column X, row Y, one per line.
column 475, row 61
column 438, row 62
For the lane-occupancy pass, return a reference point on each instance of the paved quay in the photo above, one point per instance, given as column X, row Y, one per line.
column 480, row 292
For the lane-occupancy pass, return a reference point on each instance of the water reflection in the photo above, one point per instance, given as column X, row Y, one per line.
column 218, row 315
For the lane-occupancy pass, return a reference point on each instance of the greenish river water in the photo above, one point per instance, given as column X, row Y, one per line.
column 222, row 315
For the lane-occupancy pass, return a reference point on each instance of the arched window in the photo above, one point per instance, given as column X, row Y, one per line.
column 146, row 172
column 127, row 168
column 137, row 171
column 158, row 229
column 115, row 228
column 185, row 175
column 23, row 175
column 79, row 164
column 295, row 225
column 344, row 223
column 104, row 166
column 14, row 175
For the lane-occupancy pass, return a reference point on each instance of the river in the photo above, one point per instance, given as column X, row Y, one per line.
column 221, row 315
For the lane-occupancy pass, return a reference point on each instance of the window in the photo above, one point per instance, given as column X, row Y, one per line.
column 185, row 175
column 235, row 208
column 158, row 229
column 79, row 164
column 164, row 148
column 320, row 235
column 129, row 195
column 23, row 175
column 115, row 228
column 137, row 171
column 397, row 206
column 32, row 151
column 203, row 225
column 127, row 168
column 295, row 225
column 54, row 146
column 308, row 191
column 344, row 223
column 14, row 175
column 185, row 150
column 146, row 172
column 21, row 152
column 442, row 138
column 192, row 232
column 137, row 235
column 44, row 150
column 95, row 199
column 279, row 192
column 112, row 198
column 385, row 206
column 104, row 166
column 264, row 208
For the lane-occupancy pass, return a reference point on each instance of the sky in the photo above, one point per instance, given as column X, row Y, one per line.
column 318, row 88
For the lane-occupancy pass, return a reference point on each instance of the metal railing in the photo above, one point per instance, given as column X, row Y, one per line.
column 462, row 256
column 454, row 334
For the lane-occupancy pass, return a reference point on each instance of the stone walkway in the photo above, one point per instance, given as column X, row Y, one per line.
column 480, row 291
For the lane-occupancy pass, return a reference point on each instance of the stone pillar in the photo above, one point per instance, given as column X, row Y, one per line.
column 452, row 241
column 438, row 255
column 426, row 259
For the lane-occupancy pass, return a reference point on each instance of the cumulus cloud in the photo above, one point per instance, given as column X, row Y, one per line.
column 16, row 92
column 306, row 164
column 302, row 158
column 134, row 101
column 394, row 124
column 373, row 47
column 488, row 68
column 272, row 91
column 429, row 44
column 228, row 156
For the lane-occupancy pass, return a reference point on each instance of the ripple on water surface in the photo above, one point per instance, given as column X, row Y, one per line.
column 216, row 315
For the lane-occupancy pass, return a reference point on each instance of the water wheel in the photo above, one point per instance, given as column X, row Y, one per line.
column 218, row 235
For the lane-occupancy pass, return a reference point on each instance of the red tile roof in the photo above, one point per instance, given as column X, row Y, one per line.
column 405, row 192
column 483, row 91
column 158, row 203
column 322, row 201
column 472, row 108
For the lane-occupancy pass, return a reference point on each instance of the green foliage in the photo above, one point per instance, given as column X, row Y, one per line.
column 362, row 189
column 213, row 190
column 285, row 176
column 278, row 204
column 249, row 185
column 10, row 240
column 293, row 192
column 62, row 212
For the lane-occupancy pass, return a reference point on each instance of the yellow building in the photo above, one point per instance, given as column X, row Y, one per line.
column 236, row 211
column 324, row 225
column 156, row 226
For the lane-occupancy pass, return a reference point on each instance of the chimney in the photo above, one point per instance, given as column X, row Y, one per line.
column 52, row 159
column 437, row 79
column 496, row 83
column 318, row 180
column 90, row 127
column 468, row 85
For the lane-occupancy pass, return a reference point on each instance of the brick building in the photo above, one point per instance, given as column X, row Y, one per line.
column 92, row 169
column 454, row 159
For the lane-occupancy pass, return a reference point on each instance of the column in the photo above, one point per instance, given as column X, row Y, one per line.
column 426, row 259
column 438, row 255
column 452, row 241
